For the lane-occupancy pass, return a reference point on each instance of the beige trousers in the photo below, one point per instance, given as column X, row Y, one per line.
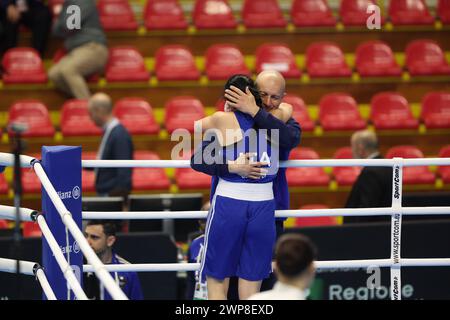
column 69, row 73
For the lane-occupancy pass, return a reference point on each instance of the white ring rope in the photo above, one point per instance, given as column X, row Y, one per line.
column 66, row 216
column 40, row 275
column 320, row 265
column 7, row 160
column 28, row 268
column 283, row 164
column 61, row 260
column 9, row 213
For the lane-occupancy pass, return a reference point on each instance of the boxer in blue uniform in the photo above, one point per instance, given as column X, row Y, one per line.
column 240, row 231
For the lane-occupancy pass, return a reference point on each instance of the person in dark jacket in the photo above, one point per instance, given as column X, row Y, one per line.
column 373, row 188
column 116, row 145
column 33, row 14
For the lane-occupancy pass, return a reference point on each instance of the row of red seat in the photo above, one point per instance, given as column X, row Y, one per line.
column 217, row 14
column 185, row 178
column 337, row 111
column 176, row 62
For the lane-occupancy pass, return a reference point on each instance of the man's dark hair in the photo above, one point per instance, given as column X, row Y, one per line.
column 242, row 81
column 294, row 253
column 110, row 227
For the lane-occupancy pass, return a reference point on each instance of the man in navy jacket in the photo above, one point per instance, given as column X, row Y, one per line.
column 32, row 13
column 116, row 145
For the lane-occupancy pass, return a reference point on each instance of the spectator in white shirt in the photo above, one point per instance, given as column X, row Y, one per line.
column 294, row 267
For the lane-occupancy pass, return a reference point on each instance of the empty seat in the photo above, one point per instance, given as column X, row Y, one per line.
column 409, row 12
column 4, row 224
column 391, row 110
column 375, row 58
column 277, row 56
column 444, row 171
column 315, row 221
column 412, row 175
column 436, row 110
column 306, row 176
column 312, row 13
column 3, row 184
column 30, row 181
column 23, row 65
column 300, row 112
column 149, row 178
column 136, row 115
column 182, row 112
column 262, row 14
column 88, row 176
column 224, row 60
column 354, row 12
column 187, row 178
column 220, row 105
column 326, row 59
column 213, row 14
column 443, row 11
column 425, row 57
column 75, row 119
column 175, row 62
column 339, row 111
column 126, row 64
column 34, row 115
column 31, row 229
column 164, row 14
column 345, row 176
column 116, row 15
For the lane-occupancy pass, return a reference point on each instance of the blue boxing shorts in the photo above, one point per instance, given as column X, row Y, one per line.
column 240, row 232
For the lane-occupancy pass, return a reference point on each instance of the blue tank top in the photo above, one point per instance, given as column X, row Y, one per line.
column 254, row 141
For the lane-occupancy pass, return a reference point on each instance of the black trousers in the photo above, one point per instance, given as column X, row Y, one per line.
column 38, row 19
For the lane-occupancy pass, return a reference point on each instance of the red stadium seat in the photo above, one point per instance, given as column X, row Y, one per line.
column 3, row 185
column 30, row 181
column 412, row 175
column 444, row 171
column 409, row 12
column 88, row 176
column 326, row 59
column 354, row 12
column 126, row 64
column 391, row 110
column 262, row 14
column 436, row 110
column 4, row 224
column 300, row 112
column 75, row 119
column 345, row 176
column 220, row 105
column 136, row 115
column 306, row 176
column 339, row 111
column 443, row 11
column 164, row 14
column 175, row 62
column 23, row 65
column 315, row 221
column 182, row 112
column 116, row 15
column 34, row 114
column 31, row 229
column 276, row 56
column 149, row 178
column 224, row 60
column 213, row 14
column 425, row 57
column 375, row 58
column 187, row 178
column 312, row 13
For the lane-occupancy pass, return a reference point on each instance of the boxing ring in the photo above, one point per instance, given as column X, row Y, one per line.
column 63, row 252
